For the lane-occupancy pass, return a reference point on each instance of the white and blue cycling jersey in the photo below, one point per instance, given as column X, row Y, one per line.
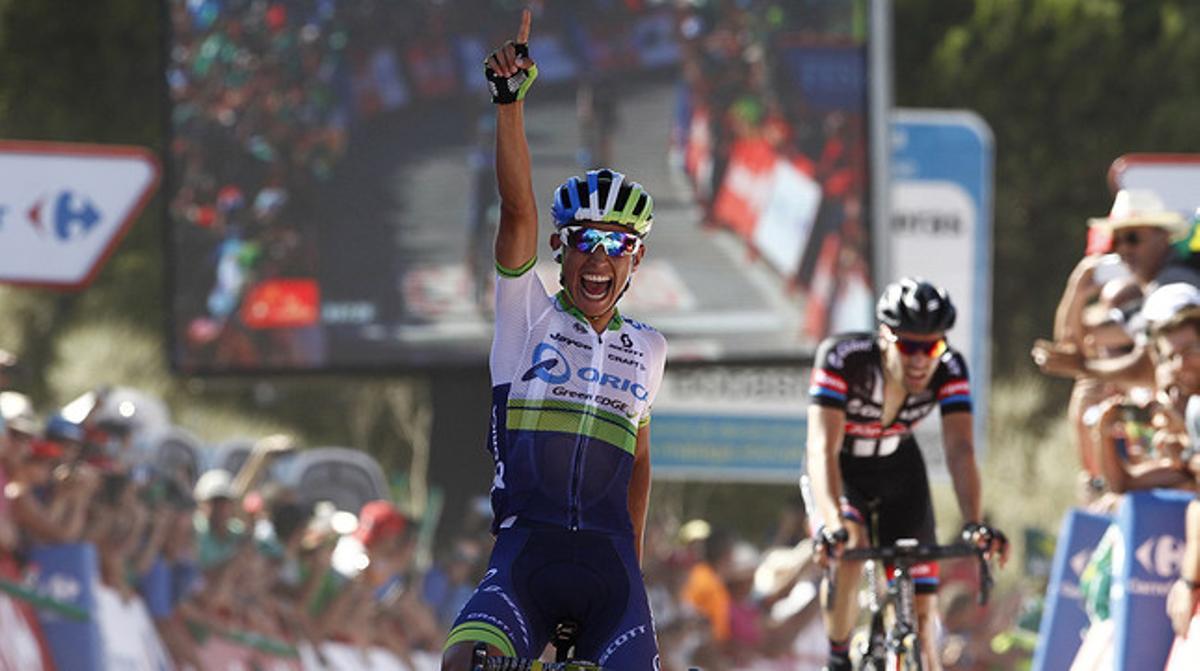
column 567, row 405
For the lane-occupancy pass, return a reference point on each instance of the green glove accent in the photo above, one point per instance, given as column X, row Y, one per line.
column 507, row 90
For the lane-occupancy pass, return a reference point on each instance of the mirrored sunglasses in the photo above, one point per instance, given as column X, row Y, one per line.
column 930, row 348
column 586, row 239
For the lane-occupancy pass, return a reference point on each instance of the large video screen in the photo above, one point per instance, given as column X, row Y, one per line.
column 332, row 189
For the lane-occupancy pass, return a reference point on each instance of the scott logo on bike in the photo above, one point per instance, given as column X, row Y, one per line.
column 545, row 359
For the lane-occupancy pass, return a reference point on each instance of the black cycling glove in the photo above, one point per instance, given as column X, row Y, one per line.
column 985, row 533
column 506, row 90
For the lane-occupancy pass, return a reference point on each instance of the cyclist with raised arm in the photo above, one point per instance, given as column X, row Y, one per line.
column 572, row 385
column 868, row 391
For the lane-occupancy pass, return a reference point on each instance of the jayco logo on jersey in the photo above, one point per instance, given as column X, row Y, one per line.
column 545, row 360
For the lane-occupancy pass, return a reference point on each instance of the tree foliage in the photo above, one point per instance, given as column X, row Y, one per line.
column 1067, row 86
column 85, row 72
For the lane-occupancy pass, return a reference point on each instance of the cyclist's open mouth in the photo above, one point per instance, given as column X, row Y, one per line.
column 595, row 287
column 916, row 377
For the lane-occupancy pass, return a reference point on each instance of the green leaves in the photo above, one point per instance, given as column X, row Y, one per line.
column 1067, row 86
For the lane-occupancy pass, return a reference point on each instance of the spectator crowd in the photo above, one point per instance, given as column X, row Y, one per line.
column 1127, row 332
column 240, row 557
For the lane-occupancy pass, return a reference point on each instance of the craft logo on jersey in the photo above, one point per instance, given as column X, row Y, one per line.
column 68, row 212
column 546, row 359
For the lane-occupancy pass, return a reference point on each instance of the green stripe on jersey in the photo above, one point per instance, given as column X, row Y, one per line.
column 481, row 632
column 516, row 272
column 567, row 417
column 564, row 301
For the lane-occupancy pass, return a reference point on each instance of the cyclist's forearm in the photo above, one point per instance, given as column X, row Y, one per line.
column 517, row 240
column 824, row 470
column 639, row 489
column 960, row 461
column 827, row 489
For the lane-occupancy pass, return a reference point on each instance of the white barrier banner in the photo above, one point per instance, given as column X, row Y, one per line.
column 1185, row 654
column 131, row 642
column 19, row 649
column 342, row 657
column 787, row 218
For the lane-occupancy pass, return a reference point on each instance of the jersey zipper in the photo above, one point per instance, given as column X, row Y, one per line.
column 579, row 458
column 882, row 381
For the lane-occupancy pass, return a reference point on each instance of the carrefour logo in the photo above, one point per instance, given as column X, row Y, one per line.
column 546, row 359
column 1160, row 555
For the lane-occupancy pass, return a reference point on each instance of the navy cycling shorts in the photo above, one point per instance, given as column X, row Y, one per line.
column 899, row 487
column 538, row 577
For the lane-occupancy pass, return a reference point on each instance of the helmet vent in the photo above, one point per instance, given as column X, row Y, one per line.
column 641, row 205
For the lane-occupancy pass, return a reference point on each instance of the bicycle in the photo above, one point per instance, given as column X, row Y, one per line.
column 899, row 647
column 565, row 633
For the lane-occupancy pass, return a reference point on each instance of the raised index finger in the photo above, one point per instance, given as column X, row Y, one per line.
column 523, row 33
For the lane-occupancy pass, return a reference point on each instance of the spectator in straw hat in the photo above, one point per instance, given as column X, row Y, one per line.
column 1142, row 231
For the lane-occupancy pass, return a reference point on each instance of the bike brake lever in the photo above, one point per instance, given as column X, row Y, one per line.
column 985, row 581
column 830, row 587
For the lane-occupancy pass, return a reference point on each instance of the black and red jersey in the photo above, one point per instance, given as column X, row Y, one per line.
column 848, row 375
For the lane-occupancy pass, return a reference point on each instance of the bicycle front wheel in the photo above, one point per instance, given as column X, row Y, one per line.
column 907, row 657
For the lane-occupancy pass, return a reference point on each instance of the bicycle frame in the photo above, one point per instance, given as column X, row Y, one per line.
column 901, row 647
column 565, row 633
column 480, row 661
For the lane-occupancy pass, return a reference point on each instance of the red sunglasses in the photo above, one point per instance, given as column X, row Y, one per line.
column 907, row 347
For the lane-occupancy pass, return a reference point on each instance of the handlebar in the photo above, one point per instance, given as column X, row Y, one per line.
column 908, row 552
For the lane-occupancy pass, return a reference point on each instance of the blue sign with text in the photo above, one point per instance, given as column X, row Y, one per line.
column 1151, row 524
column 1064, row 619
column 70, row 573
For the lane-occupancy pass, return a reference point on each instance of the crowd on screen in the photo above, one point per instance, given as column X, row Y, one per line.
column 266, row 97
column 757, row 92
column 1127, row 331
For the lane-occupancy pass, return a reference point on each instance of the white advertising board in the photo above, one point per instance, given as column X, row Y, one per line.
column 64, row 208
column 942, row 231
